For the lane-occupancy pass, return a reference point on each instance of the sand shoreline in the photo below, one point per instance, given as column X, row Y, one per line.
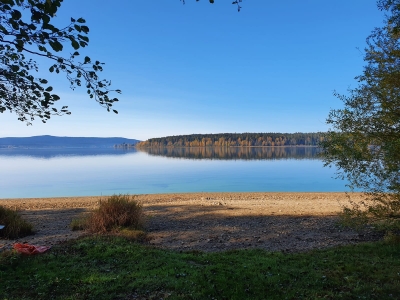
column 208, row 221
column 314, row 202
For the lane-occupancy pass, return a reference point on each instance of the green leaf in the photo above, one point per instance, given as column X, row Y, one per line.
column 55, row 97
column 16, row 14
column 75, row 44
column 14, row 68
column 115, row 111
column 51, row 69
column 14, row 25
column 20, row 45
column 84, row 38
column 49, row 89
column 45, row 18
column 50, row 8
column 32, row 26
column 56, row 45
column 50, row 27
column 87, row 59
column 85, row 29
column 80, row 20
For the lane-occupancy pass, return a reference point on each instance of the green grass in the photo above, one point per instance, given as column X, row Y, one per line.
column 15, row 226
column 112, row 267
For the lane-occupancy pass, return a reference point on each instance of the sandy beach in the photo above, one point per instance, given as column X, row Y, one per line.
column 289, row 222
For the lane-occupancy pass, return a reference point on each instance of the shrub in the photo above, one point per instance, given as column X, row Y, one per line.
column 382, row 211
column 115, row 213
column 78, row 223
column 15, row 226
column 392, row 237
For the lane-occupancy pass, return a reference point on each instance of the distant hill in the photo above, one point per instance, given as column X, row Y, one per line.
column 48, row 141
column 49, row 153
column 236, row 140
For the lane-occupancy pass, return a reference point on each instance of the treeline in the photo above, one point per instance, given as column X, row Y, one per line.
column 235, row 140
column 125, row 146
column 236, row 153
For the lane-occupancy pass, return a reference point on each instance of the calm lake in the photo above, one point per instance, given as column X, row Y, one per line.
column 29, row 173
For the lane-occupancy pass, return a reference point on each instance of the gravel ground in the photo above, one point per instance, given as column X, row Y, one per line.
column 289, row 222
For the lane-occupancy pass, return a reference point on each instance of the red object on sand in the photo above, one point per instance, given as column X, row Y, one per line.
column 30, row 249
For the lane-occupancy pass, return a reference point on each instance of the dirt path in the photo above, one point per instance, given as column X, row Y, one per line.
column 208, row 221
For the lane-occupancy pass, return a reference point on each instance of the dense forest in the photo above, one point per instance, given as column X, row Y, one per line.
column 235, row 140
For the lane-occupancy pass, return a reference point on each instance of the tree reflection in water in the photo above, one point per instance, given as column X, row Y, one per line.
column 235, row 153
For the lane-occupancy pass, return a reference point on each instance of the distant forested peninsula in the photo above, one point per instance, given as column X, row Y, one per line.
column 48, row 141
column 235, row 140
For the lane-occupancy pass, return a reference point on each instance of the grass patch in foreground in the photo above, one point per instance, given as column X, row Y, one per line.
column 15, row 225
column 118, row 268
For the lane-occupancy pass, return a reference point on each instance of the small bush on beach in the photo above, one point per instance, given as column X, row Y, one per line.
column 115, row 213
column 15, row 226
column 78, row 223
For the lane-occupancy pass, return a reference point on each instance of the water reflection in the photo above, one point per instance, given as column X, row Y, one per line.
column 55, row 173
column 235, row 153
column 48, row 153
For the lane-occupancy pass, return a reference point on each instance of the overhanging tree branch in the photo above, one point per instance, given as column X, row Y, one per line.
column 21, row 92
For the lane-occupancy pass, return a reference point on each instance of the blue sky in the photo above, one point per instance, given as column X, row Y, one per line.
column 202, row 68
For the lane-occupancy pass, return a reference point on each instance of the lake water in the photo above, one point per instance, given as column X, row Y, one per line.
column 28, row 173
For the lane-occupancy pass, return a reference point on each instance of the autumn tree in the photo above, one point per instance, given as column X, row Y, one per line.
column 364, row 142
column 26, row 33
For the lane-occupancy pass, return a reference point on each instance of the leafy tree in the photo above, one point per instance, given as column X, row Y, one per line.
column 26, row 32
column 365, row 140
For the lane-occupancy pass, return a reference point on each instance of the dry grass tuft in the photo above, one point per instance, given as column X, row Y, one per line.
column 115, row 213
column 15, row 226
